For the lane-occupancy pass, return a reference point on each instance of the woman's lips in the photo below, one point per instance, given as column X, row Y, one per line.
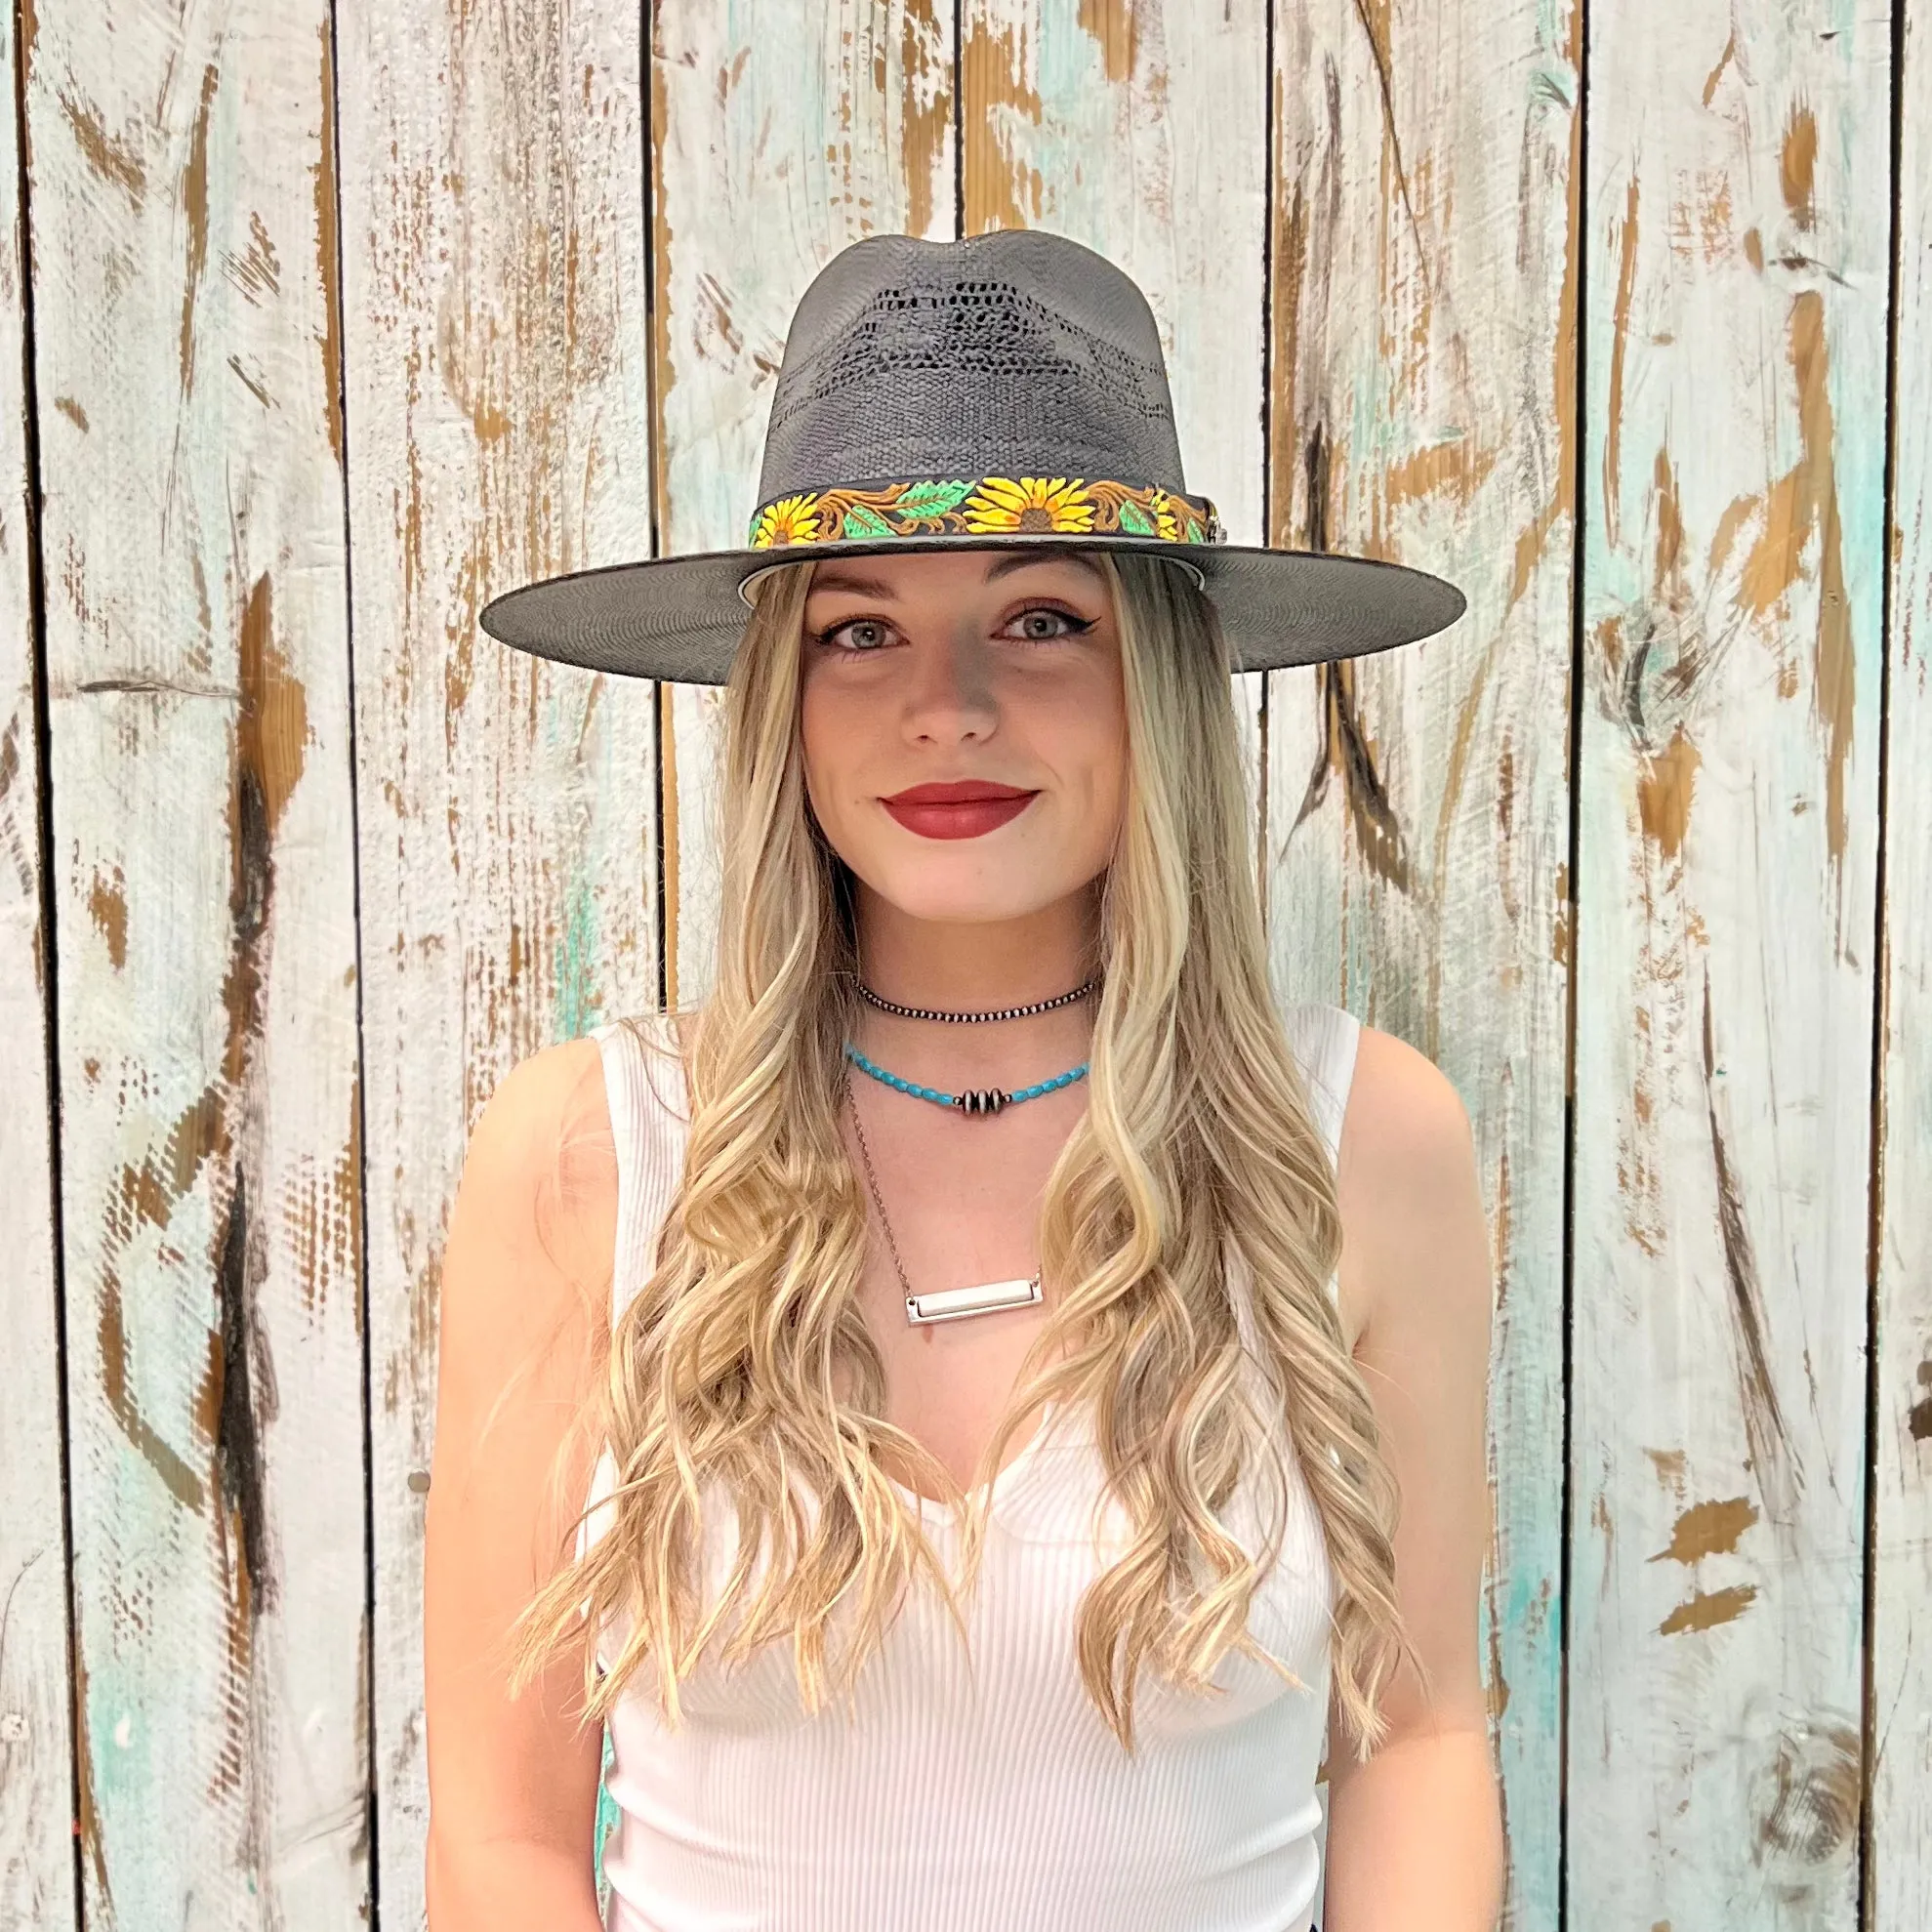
column 966, row 819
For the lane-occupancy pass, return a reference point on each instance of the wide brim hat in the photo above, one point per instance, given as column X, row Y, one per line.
column 1004, row 391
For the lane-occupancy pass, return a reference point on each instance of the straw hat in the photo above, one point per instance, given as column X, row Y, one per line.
column 1001, row 391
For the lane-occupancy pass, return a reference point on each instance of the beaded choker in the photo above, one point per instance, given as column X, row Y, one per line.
column 886, row 1005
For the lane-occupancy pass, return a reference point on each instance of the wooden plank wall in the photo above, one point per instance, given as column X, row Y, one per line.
column 324, row 325
column 36, row 1739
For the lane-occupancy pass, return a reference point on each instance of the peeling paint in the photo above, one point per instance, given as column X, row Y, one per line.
column 1665, row 789
column 1708, row 1529
column 323, row 175
column 1918, row 1417
column 108, row 907
column 1806, row 1802
column 1112, row 25
column 1613, row 422
column 1707, row 1609
column 194, row 211
column 1003, row 190
column 1774, row 1457
column 113, row 158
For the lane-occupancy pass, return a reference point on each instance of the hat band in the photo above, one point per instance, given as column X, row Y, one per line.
column 990, row 507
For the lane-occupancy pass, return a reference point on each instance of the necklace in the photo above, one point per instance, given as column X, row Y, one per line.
column 944, row 1304
column 976, row 1099
column 886, row 1005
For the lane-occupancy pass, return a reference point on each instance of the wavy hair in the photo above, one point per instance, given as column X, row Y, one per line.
column 744, row 1361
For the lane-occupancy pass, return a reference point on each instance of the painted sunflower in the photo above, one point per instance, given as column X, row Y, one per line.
column 1028, row 503
column 1161, row 506
column 792, row 520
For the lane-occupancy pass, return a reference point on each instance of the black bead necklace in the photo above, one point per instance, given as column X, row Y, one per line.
column 886, row 1005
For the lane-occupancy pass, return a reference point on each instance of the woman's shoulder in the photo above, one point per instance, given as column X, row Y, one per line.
column 1402, row 1105
column 1406, row 1150
column 542, row 1164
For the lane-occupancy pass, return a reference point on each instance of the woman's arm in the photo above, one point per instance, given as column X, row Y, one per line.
column 1414, row 1837
column 524, row 1319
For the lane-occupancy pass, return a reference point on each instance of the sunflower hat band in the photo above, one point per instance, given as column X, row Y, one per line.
column 1001, row 391
column 987, row 507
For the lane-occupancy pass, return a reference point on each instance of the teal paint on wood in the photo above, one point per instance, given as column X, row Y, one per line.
column 1740, row 204
column 1424, row 261
column 37, row 1878
column 197, row 667
column 495, row 342
column 1898, row 1879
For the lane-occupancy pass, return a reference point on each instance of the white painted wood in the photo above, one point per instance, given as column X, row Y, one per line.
column 1899, row 1881
column 1423, row 286
column 191, row 449
column 1738, row 230
column 36, row 1733
column 496, row 340
column 778, row 139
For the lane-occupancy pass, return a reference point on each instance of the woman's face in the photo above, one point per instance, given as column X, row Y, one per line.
column 1000, row 667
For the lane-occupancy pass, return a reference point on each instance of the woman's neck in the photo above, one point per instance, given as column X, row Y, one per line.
column 956, row 967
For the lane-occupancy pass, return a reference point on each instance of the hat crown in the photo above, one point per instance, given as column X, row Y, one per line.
column 1010, row 353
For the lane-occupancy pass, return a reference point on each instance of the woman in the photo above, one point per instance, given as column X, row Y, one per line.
column 997, row 1485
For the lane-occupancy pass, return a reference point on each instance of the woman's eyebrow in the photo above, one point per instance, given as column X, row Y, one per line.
column 1020, row 560
column 859, row 586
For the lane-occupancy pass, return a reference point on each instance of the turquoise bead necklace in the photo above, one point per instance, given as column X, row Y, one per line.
column 976, row 1099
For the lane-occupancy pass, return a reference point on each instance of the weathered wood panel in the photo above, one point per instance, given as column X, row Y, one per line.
column 1898, row 1896
column 495, row 340
column 1737, row 238
column 779, row 135
column 36, row 1733
column 190, row 442
column 1424, row 410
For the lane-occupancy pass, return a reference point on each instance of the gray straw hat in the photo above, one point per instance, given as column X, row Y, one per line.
column 1004, row 390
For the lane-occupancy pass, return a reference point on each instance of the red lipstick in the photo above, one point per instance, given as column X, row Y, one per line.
column 957, row 808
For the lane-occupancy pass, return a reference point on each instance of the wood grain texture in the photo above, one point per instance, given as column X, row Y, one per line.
column 779, row 135
column 1897, row 1895
column 37, row 1729
column 497, row 383
column 1737, row 237
column 198, row 671
column 1424, row 410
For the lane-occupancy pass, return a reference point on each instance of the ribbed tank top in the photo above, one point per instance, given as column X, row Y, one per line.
column 950, row 1804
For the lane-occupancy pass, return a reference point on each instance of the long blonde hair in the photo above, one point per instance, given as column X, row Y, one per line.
column 744, row 1358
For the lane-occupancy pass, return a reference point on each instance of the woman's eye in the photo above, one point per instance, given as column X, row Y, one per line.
column 860, row 634
column 1043, row 623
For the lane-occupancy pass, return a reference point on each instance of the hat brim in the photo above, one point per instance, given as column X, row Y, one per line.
column 680, row 618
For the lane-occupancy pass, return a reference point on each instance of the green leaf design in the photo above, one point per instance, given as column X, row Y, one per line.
column 919, row 501
column 1136, row 519
column 863, row 522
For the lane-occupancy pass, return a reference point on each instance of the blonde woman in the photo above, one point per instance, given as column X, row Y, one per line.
column 990, row 1408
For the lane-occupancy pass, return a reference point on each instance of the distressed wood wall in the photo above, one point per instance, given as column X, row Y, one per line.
column 321, row 326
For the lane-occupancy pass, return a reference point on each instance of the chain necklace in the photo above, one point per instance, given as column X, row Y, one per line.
column 886, row 1005
column 945, row 1304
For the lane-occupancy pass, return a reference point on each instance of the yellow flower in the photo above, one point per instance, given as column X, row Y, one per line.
column 1161, row 506
column 1028, row 503
column 792, row 520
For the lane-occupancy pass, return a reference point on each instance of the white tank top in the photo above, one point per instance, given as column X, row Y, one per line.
column 945, row 1805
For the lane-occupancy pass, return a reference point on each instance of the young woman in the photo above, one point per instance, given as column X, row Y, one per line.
column 996, row 1488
